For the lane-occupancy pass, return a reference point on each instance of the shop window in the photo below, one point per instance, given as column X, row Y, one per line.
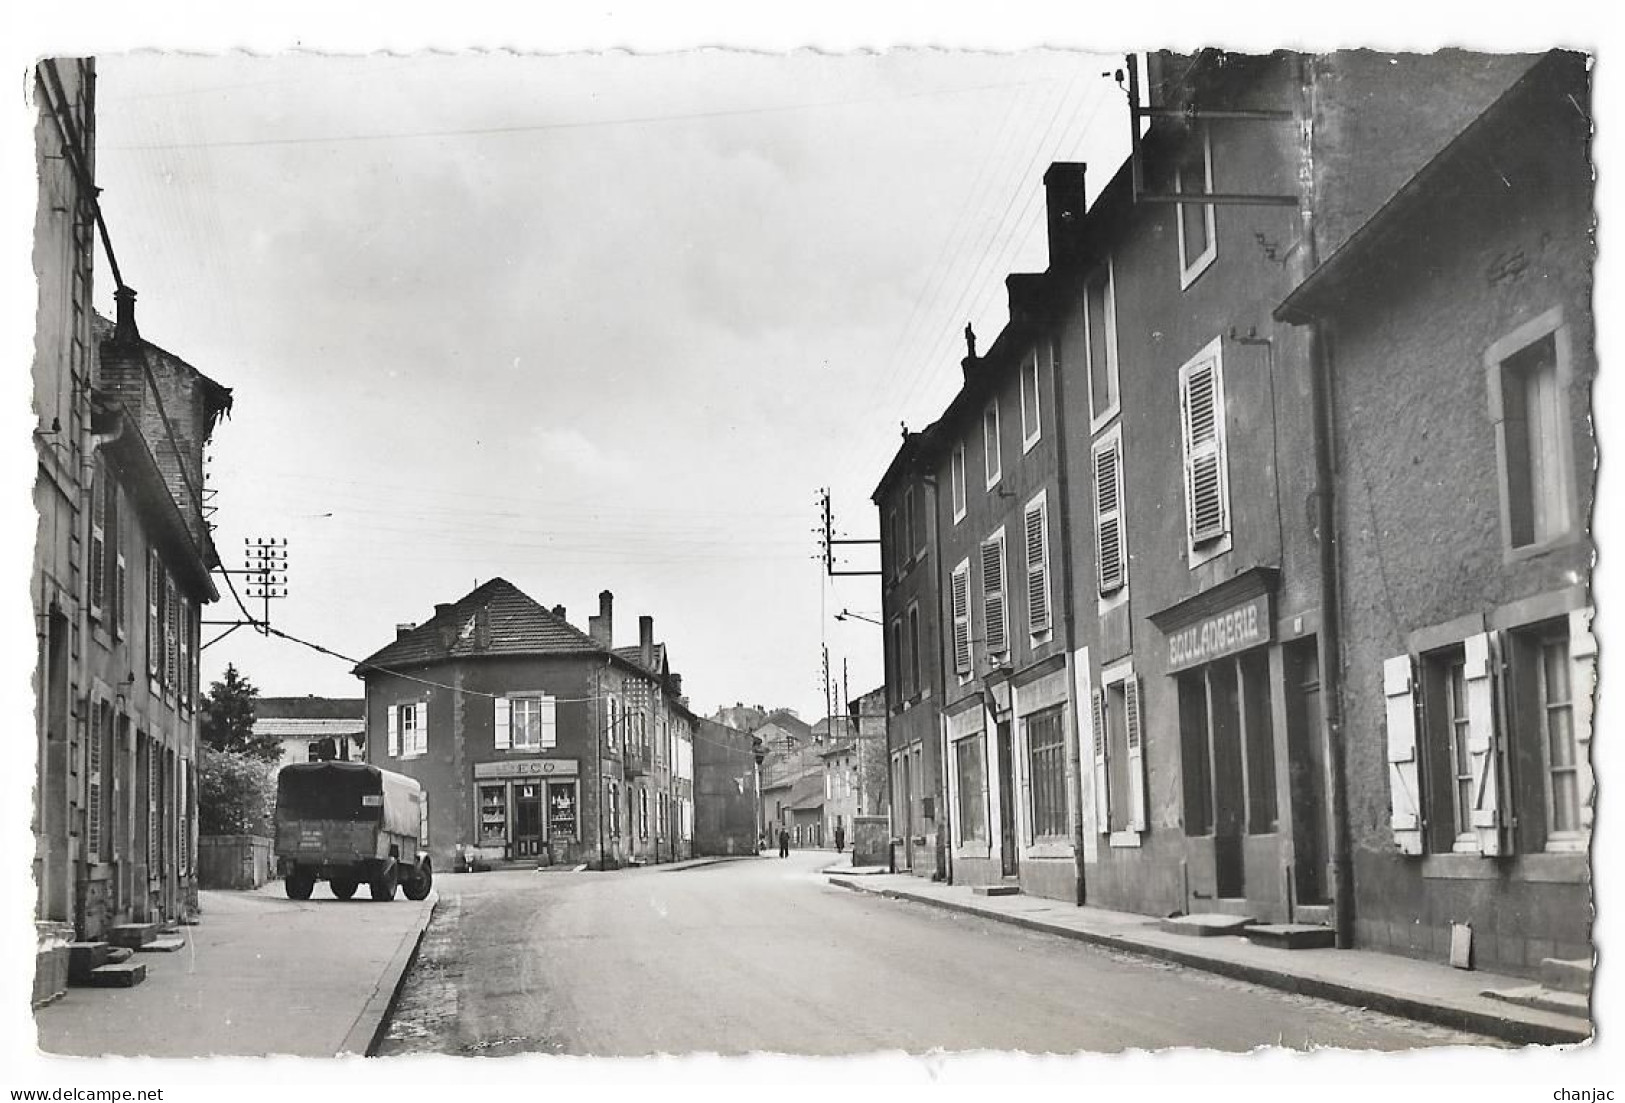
column 1195, row 766
column 1528, row 377
column 493, row 815
column 1227, row 748
column 1046, row 774
column 971, row 775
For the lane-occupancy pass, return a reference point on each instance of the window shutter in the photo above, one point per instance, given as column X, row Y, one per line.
column 170, row 642
column 420, row 729
column 183, row 668
column 1404, row 793
column 155, row 635
column 960, row 597
column 98, row 543
column 1582, row 689
column 502, row 727
column 1109, row 514
column 121, row 592
column 1204, row 453
column 1484, row 743
column 394, row 721
column 993, row 595
column 1038, row 614
column 1136, row 756
column 550, row 723
column 1097, row 717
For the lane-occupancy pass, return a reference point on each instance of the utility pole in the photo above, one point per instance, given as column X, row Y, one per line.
column 828, row 541
column 265, row 566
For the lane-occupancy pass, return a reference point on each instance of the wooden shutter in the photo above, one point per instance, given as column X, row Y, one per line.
column 993, row 595
column 959, row 592
column 1404, row 792
column 502, row 724
column 1205, row 474
column 420, row 727
column 1484, row 743
column 1135, row 732
column 1582, row 690
column 1038, row 614
column 394, row 721
column 1097, row 717
column 170, row 642
column 183, row 645
column 549, row 722
column 93, row 785
column 121, row 594
column 155, row 632
column 1109, row 514
column 98, row 541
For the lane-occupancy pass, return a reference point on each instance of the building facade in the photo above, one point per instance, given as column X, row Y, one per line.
column 535, row 741
column 304, row 725
column 725, row 802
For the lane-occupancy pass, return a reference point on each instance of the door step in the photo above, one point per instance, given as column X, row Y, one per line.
column 132, row 935
column 996, row 890
column 166, row 945
column 125, row 974
column 85, row 958
column 1544, row 999
column 1318, row 914
column 1291, row 936
column 1206, row 925
column 1566, row 976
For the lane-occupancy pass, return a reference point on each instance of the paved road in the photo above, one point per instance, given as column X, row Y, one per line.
column 764, row 955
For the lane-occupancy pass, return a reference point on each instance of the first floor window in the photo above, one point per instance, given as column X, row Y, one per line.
column 1528, row 383
column 614, row 810
column 972, row 783
column 1046, row 772
column 408, row 729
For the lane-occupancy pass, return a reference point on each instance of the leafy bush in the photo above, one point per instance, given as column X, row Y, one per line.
column 236, row 793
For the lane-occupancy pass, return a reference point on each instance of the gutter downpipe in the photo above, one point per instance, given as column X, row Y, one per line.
column 1330, row 649
column 945, row 849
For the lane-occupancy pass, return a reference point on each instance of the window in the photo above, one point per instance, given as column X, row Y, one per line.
column 1227, row 748
column 612, row 721
column 614, row 810
column 971, row 774
column 1193, row 175
column 1031, row 431
column 100, row 482
column 643, row 812
column 155, row 616
column 1207, row 475
column 408, row 729
column 906, row 540
column 1110, row 560
column 171, row 634
column 1552, row 720
column 916, row 515
column 957, row 476
column 994, row 623
column 1528, row 384
column 97, row 754
column 313, row 751
column 913, row 650
column 897, row 663
column 1119, row 756
column 1035, row 522
column 959, row 601
column 899, row 556
column 525, row 723
column 992, row 463
column 1100, row 346
column 1046, row 774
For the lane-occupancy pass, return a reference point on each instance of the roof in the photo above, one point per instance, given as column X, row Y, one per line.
column 513, row 624
column 807, row 792
column 634, row 655
column 311, row 708
column 787, row 722
column 216, row 398
column 309, row 729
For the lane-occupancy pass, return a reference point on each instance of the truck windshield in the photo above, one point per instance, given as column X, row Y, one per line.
column 329, row 794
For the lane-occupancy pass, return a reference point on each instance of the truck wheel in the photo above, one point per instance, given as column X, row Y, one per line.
column 383, row 888
column 343, row 887
column 299, row 883
column 418, row 887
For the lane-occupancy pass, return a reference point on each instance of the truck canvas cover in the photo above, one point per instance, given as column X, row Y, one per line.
column 349, row 791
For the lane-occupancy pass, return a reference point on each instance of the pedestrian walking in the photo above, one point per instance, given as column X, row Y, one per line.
column 784, row 842
column 840, row 838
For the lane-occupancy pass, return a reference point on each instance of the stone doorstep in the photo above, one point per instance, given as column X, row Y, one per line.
column 996, row 890
column 1291, row 936
column 85, row 958
column 1544, row 999
column 132, row 934
column 126, row 974
column 1566, row 976
column 162, row 946
column 1205, row 924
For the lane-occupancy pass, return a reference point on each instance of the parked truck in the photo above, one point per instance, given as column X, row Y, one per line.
column 351, row 823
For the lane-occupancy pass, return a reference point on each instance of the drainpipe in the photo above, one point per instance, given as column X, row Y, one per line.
column 945, row 850
column 1063, row 510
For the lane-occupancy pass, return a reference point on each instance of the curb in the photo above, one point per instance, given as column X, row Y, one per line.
column 701, row 863
column 367, row 1033
column 1405, row 1007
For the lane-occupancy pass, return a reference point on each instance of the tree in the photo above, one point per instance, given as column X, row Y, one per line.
column 227, row 719
column 236, row 793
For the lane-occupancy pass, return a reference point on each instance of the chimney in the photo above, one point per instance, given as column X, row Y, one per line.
column 558, row 611
column 124, row 331
column 441, row 608
column 602, row 627
column 646, row 640
column 677, row 686
column 1063, row 195
column 404, row 628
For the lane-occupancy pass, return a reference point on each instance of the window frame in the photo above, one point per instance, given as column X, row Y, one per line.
column 1058, row 788
column 1550, row 323
column 1031, row 434
column 1190, row 268
column 1099, row 415
column 957, row 481
column 992, row 450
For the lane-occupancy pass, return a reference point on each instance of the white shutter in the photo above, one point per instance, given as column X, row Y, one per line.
column 121, row 592
column 1484, row 743
column 98, row 543
column 1404, row 793
column 1109, row 514
column 1097, row 718
column 549, row 722
column 1582, row 690
column 155, row 631
column 1037, row 526
column 502, row 727
column 993, row 595
column 1135, row 731
column 394, row 731
column 1205, row 470
column 420, row 727
column 960, row 599
column 170, row 642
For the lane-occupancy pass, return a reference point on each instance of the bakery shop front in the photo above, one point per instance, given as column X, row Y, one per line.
column 528, row 808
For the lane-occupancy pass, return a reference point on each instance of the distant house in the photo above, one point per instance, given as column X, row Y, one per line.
column 804, row 811
column 725, row 809
column 303, row 723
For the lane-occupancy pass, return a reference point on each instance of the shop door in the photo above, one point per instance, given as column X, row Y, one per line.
column 527, row 817
column 1007, row 805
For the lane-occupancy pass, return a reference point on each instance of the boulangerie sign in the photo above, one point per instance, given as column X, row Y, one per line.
column 1224, row 633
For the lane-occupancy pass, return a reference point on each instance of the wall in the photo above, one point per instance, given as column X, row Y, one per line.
column 724, row 791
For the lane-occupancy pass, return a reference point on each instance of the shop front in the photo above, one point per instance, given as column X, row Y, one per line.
column 528, row 808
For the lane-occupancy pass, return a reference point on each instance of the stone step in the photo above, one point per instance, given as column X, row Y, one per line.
column 1544, row 999
column 1291, row 936
column 118, row 955
column 132, row 934
column 1317, row 914
column 1566, row 976
column 86, row 957
column 126, row 974
column 1205, row 924
column 997, row 890
column 165, row 945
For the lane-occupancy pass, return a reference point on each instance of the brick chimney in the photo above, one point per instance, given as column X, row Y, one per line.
column 558, row 611
column 1063, row 196
column 125, row 333
column 441, row 608
column 646, row 641
column 602, row 626
column 405, row 628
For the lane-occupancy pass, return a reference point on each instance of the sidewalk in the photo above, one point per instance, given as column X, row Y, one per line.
column 259, row 975
column 1422, row 990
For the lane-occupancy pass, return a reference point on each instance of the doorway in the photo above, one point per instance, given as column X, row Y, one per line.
column 905, row 812
column 1008, row 860
column 1307, row 773
column 527, row 820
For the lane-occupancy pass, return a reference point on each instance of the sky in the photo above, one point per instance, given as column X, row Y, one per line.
column 584, row 322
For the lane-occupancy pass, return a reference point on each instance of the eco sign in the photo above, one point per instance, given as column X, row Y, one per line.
column 1235, row 629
